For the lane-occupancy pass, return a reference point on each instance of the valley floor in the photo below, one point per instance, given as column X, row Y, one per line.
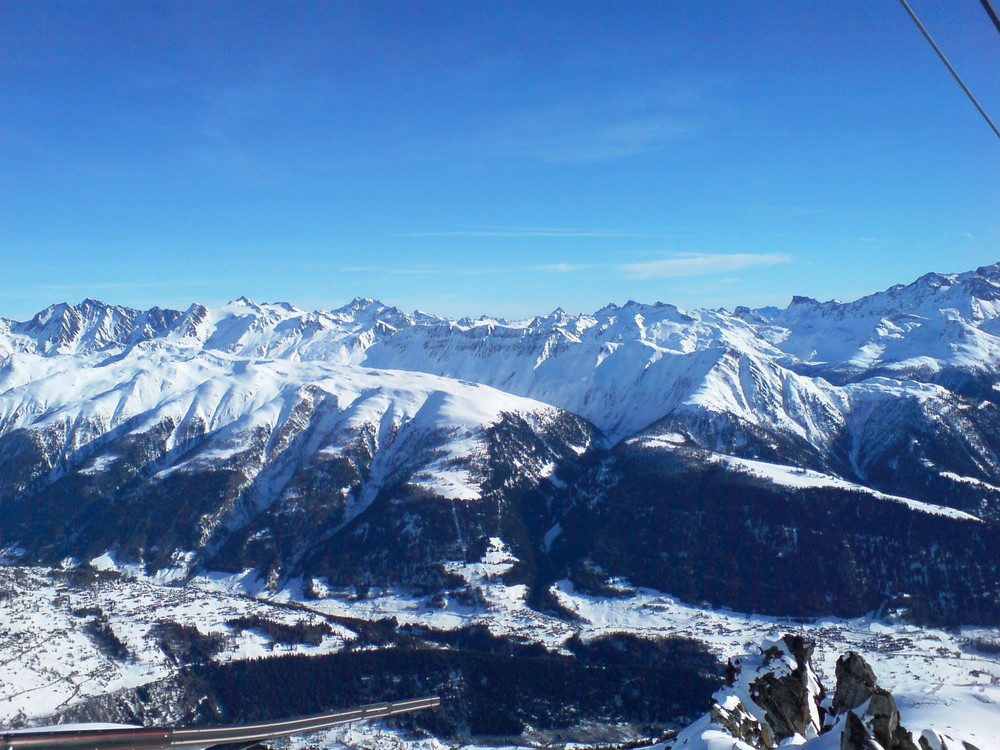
column 69, row 635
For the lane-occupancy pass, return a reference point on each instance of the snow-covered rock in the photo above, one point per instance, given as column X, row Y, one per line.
column 773, row 698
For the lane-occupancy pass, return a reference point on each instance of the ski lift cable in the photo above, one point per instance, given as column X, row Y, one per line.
column 991, row 13
column 948, row 65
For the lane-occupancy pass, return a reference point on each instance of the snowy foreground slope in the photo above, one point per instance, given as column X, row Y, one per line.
column 257, row 480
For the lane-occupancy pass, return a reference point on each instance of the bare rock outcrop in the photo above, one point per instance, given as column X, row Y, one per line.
column 870, row 711
column 774, row 698
column 770, row 698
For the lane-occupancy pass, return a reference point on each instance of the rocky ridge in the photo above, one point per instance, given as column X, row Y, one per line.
column 691, row 452
column 774, row 698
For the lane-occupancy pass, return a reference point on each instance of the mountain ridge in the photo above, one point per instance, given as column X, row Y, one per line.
column 307, row 444
column 977, row 291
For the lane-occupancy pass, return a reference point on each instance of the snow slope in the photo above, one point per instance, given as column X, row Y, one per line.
column 270, row 437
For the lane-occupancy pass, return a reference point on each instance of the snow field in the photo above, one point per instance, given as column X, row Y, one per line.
column 49, row 660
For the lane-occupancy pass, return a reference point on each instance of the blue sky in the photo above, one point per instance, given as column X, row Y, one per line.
column 501, row 157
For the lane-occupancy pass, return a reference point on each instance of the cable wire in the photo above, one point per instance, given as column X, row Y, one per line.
column 991, row 13
column 944, row 59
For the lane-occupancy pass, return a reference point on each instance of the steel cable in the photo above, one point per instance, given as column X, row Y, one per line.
column 944, row 59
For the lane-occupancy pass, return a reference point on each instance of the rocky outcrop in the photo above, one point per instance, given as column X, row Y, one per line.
column 734, row 718
column 870, row 711
column 856, row 682
column 933, row 740
column 854, row 736
column 788, row 694
column 770, row 698
column 773, row 698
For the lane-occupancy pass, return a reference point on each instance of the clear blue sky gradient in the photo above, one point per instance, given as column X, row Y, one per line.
column 492, row 157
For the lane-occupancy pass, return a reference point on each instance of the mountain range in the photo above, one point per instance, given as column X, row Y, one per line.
column 825, row 458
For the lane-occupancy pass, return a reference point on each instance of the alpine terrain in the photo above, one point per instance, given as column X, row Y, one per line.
column 564, row 525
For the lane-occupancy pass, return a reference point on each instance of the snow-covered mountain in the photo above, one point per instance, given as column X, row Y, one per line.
column 484, row 499
column 310, row 443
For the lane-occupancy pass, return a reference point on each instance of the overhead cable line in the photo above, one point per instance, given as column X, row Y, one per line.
column 991, row 13
column 944, row 59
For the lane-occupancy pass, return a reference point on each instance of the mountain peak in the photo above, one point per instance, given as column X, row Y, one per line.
column 358, row 304
column 990, row 271
column 90, row 302
column 42, row 317
column 934, row 280
column 799, row 299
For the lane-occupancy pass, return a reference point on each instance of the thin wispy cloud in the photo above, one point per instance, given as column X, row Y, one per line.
column 784, row 211
column 701, row 264
column 678, row 265
column 562, row 267
column 392, row 271
column 527, row 232
column 443, row 271
column 588, row 131
column 591, row 125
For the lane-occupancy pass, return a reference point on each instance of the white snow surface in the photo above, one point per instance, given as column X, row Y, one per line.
column 790, row 476
column 622, row 367
column 813, row 375
column 50, row 662
column 234, row 400
column 939, row 679
column 85, row 370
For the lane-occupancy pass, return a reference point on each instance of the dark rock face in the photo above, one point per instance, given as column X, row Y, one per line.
column 770, row 698
column 856, row 686
column 773, row 698
column 935, row 741
column 855, row 736
column 790, row 701
column 855, row 682
column 742, row 725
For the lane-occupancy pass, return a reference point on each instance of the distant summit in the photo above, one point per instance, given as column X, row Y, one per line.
column 825, row 458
